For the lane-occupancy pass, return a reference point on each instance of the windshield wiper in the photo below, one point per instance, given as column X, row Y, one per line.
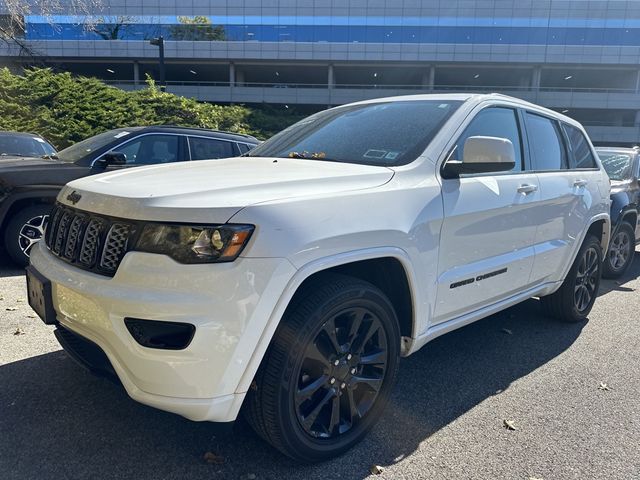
column 51, row 157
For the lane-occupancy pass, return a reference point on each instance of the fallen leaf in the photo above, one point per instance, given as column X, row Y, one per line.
column 509, row 424
column 507, row 331
column 604, row 386
column 536, row 478
column 11, row 309
column 19, row 300
column 18, row 331
column 214, row 459
column 31, row 316
column 376, row 469
column 1, row 297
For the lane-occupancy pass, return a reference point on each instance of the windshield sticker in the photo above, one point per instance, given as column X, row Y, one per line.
column 375, row 153
column 121, row 134
column 392, row 155
column 38, row 139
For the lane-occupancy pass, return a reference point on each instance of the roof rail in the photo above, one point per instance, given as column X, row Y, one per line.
column 204, row 129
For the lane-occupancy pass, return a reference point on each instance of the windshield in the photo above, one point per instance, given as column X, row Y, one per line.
column 617, row 164
column 387, row 133
column 24, row 146
column 83, row 149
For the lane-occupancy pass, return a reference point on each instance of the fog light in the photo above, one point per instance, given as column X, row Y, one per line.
column 162, row 335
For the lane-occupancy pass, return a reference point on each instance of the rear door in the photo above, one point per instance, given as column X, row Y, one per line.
column 204, row 148
column 568, row 175
column 486, row 244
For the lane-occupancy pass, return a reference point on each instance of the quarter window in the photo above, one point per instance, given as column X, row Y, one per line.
column 545, row 143
column 493, row 122
column 207, row 148
column 582, row 156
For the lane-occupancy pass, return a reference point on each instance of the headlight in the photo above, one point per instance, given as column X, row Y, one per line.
column 195, row 244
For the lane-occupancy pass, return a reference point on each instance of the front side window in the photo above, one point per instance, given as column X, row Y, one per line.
column 207, row 148
column 151, row 149
column 384, row 133
column 580, row 148
column 492, row 122
column 545, row 143
column 617, row 164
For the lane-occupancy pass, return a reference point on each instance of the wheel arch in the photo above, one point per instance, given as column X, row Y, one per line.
column 358, row 264
column 21, row 200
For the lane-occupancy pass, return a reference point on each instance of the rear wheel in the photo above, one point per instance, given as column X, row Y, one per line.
column 573, row 301
column 329, row 370
column 24, row 230
column 621, row 250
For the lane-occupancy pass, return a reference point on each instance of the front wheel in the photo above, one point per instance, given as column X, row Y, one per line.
column 329, row 370
column 620, row 253
column 24, row 230
column 573, row 301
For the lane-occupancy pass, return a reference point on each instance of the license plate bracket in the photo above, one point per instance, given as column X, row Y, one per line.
column 40, row 296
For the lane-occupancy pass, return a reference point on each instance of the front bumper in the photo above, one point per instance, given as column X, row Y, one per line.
column 229, row 304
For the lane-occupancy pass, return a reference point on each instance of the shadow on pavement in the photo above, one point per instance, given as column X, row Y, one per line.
column 58, row 421
column 7, row 268
column 632, row 273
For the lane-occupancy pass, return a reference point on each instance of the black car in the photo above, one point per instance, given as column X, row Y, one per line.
column 20, row 144
column 623, row 167
column 28, row 186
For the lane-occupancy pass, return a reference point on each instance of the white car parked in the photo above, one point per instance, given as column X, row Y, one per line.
column 290, row 282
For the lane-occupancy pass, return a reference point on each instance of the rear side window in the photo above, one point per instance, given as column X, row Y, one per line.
column 545, row 143
column 207, row 148
column 244, row 148
column 492, row 122
column 581, row 155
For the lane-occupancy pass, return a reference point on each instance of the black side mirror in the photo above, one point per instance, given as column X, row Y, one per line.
column 111, row 158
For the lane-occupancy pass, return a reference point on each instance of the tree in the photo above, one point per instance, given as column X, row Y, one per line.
column 112, row 30
column 198, row 28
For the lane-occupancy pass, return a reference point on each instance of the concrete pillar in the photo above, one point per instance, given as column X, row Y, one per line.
column 636, row 122
column 638, row 82
column 430, row 78
column 136, row 72
column 232, row 75
column 535, row 78
column 331, row 78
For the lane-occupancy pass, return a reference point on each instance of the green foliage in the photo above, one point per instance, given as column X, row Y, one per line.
column 198, row 28
column 66, row 109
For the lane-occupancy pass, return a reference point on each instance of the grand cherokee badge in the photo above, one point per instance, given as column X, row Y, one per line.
column 74, row 197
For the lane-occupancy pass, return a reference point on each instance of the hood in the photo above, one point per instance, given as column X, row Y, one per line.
column 212, row 191
column 31, row 171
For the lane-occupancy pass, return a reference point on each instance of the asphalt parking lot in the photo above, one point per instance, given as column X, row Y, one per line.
column 446, row 419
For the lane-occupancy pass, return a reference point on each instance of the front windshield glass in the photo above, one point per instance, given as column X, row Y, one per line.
column 386, row 133
column 84, row 148
column 24, row 146
column 617, row 164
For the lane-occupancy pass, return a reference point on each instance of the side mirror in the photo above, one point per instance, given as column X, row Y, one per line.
column 111, row 158
column 482, row 155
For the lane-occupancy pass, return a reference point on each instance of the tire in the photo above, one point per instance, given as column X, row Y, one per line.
column 621, row 250
column 300, row 401
column 570, row 303
column 23, row 230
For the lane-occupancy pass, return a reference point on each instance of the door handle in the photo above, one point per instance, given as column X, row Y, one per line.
column 580, row 183
column 527, row 189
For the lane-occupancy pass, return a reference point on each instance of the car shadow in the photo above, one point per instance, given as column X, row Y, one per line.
column 7, row 267
column 618, row 284
column 59, row 421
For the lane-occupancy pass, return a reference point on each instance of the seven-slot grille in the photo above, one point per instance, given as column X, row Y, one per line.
column 90, row 241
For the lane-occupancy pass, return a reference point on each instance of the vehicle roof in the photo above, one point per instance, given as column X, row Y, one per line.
column 474, row 98
column 238, row 137
column 19, row 134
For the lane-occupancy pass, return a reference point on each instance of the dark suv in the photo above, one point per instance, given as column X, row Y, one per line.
column 28, row 186
column 623, row 167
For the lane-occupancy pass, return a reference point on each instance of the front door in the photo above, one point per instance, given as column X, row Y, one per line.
column 486, row 243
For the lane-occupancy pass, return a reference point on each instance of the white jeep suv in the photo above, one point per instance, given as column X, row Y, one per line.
column 289, row 282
